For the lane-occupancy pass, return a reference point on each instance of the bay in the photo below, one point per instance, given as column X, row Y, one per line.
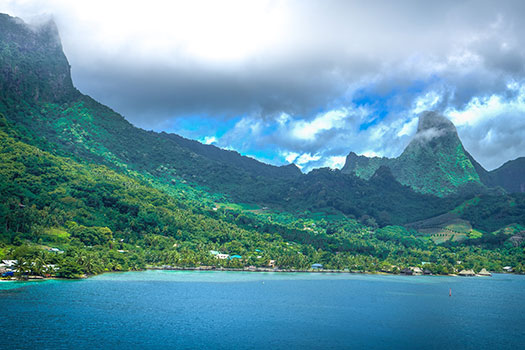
column 245, row 310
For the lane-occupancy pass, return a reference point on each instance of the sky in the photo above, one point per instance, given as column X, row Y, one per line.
column 301, row 81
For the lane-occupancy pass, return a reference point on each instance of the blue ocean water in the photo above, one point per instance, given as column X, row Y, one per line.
column 242, row 310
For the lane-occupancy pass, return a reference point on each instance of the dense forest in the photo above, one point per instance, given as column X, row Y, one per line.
column 106, row 221
column 84, row 192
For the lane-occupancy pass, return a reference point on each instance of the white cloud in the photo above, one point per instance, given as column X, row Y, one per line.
column 408, row 128
column 306, row 158
column 275, row 64
column 480, row 109
column 370, row 154
column 335, row 162
column 307, row 130
column 493, row 128
column 290, row 157
column 208, row 140
column 425, row 102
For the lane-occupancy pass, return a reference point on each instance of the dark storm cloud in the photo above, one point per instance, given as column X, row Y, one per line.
column 382, row 62
column 159, row 92
column 324, row 51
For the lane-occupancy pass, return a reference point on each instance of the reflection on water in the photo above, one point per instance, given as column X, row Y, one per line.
column 246, row 310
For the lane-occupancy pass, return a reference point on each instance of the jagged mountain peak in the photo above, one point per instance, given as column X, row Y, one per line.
column 433, row 162
column 432, row 126
column 431, row 120
column 33, row 65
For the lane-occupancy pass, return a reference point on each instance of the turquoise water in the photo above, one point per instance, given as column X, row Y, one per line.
column 237, row 310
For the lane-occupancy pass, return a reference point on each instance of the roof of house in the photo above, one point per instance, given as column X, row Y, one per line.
column 9, row 262
column 484, row 272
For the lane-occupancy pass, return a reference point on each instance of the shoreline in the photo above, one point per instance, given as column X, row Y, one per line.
column 245, row 269
column 277, row 270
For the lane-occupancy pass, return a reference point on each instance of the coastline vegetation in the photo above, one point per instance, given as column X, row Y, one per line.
column 85, row 192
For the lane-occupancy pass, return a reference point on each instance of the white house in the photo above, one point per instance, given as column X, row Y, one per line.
column 9, row 263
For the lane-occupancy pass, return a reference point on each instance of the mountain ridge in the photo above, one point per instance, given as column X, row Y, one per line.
column 434, row 134
column 82, row 128
column 76, row 175
column 433, row 162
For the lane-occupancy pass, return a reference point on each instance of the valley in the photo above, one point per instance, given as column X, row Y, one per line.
column 77, row 177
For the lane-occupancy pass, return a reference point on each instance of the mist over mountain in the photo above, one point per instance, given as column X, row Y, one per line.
column 436, row 162
column 77, row 174
column 22, row 47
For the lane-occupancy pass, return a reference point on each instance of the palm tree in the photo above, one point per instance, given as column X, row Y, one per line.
column 21, row 268
column 37, row 267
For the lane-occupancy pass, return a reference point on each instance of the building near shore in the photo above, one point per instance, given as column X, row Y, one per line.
column 467, row 273
column 416, row 271
column 219, row 255
column 9, row 263
column 407, row 271
column 484, row 272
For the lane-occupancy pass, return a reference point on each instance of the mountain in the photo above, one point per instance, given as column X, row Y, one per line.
column 21, row 47
column 70, row 124
column 35, row 70
column 76, row 176
column 74, row 125
column 510, row 176
column 434, row 162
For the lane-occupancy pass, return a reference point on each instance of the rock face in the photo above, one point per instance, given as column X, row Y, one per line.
column 434, row 162
column 435, row 123
column 32, row 64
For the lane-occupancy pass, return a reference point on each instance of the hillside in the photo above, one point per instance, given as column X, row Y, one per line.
column 77, row 126
column 76, row 176
column 105, row 221
column 35, row 70
column 510, row 176
column 434, row 162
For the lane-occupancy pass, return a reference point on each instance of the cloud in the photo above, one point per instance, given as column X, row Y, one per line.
column 336, row 162
column 493, row 128
column 208, row 140
column 302, row 77
column 308, row 130
column 428, row 135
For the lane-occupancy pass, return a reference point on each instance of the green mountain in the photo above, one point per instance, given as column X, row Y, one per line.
column 434, row 162
column 35, row 70
column 75, row 125
column 76, row 175
column 510, row 176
